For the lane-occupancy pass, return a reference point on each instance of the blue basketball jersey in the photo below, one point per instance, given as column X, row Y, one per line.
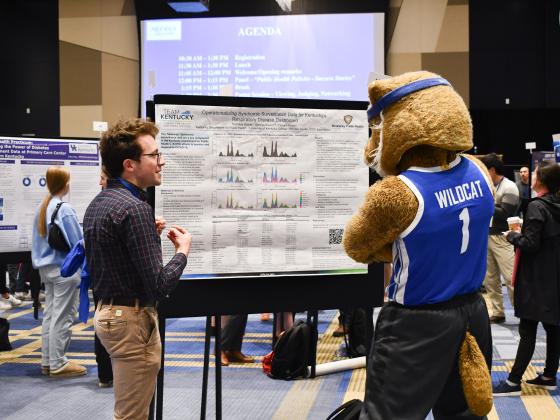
column 442, row 254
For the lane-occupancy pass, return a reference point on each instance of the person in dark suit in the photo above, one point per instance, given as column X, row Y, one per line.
column 524, row 191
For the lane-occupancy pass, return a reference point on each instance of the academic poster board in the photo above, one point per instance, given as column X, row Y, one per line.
column 265, row 186
column 23, row 166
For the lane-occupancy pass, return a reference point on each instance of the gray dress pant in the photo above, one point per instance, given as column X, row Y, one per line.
column 233, row 329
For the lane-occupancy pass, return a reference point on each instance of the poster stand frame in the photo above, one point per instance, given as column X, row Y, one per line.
column 227, row 296
column 25, row 256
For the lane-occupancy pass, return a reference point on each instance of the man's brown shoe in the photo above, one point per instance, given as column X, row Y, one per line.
column 497, row 319
column 45, row 370
column 70, row 369
column 236, row 356
column 339, row 332
column 224, row 359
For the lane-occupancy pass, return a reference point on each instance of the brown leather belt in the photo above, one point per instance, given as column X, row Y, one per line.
column 122, row 301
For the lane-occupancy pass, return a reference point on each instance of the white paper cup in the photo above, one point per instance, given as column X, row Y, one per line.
column 514, row 223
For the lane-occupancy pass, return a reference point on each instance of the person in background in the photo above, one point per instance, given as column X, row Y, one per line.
column 61, row 300
column 104, row 365
column 123, row 254
column 500, row 251
column 75, row 260
column 537, row 281
column 23, row 277
column 233, row 330
column 7, row 301
column 524, row 190
column 20, row 277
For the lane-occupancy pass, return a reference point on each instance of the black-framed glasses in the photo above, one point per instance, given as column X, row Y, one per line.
column 157, row 155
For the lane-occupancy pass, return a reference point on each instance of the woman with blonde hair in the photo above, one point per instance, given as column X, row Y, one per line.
column 61, row 300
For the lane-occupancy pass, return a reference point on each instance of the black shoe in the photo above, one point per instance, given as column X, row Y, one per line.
column 105, row 384
column 339, row 332
column 497, row 319
column 503, row 389
column 549, row 384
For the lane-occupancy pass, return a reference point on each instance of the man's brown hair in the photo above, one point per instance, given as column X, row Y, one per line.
column 118, row 143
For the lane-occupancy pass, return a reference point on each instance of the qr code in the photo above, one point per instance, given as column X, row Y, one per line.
column 335, row 236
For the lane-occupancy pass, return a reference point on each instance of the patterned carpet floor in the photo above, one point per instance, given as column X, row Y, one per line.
column 247, row 392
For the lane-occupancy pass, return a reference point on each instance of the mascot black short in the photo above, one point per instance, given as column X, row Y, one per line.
column 413, row 364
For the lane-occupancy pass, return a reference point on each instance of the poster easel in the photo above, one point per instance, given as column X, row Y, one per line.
column 254, row 294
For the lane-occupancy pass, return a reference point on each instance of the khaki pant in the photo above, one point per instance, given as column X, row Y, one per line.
column 500, row 264
column 131, row 337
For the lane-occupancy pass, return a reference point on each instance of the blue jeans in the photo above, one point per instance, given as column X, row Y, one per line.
column 61, row 306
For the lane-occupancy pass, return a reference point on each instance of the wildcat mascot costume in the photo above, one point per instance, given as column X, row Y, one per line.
column 429, row 216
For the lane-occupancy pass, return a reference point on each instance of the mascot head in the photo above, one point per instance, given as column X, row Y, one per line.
column 413, row 115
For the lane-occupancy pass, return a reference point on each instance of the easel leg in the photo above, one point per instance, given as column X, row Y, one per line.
column 206, row 367
column 312, row 321
column 218, row 358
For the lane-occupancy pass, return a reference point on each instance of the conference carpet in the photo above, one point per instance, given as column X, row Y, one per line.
column 247, row 392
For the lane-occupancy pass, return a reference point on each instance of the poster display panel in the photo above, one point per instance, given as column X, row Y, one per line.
column 23, row 166
column 264, row 191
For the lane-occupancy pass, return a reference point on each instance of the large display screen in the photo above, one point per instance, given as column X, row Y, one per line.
column 329, row 56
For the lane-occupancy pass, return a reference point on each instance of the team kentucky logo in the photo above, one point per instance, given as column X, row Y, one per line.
column 348, row 119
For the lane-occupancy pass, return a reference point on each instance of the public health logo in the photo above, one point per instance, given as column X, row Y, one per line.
column 348, row 119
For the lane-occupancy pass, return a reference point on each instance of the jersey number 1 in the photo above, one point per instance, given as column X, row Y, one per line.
column 465, row 218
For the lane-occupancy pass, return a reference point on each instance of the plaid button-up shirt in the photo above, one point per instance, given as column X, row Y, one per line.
column 123, row 249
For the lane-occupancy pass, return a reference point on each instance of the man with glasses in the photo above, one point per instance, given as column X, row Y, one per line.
column 123, row 252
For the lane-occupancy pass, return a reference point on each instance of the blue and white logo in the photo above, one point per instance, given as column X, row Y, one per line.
column 83, row 148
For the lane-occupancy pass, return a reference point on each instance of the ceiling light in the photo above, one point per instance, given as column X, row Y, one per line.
column 190, row 6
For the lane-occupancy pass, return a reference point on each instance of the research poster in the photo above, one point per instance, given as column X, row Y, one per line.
column 263, row 191
column 23, row 166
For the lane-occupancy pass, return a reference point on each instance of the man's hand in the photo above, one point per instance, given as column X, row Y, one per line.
column 160, row 224
column 181, row 238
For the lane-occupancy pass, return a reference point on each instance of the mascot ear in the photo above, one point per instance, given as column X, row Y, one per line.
column 376, row 90
column 379, row 88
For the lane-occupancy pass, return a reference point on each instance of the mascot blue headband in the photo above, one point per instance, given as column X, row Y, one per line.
column 400, row 92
